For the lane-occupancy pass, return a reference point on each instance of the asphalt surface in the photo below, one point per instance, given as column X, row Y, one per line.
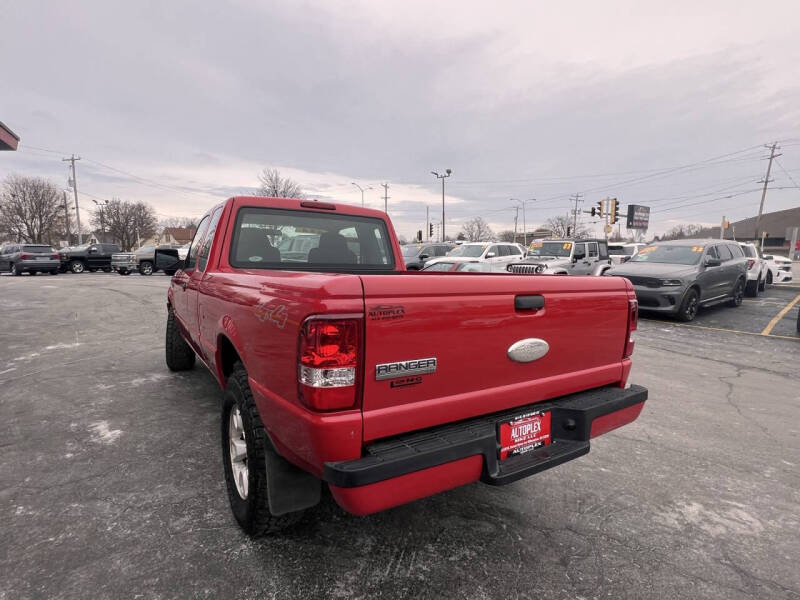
column 111, row 481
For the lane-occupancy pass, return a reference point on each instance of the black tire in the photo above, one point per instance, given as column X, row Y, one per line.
column 106, row 269
column 751, row 289
column 33, row 272
column 688, row 309
column 77, row 267
column 15, row 270
column 762, row 284
column 123, row 272
column 737, row 295
column 252, row 513
column 54, row 272
column 798, row 321
column 769, row 277
column 179, row 354
column 145, row 268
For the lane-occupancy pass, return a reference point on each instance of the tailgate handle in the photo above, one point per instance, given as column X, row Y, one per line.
column 528, row 302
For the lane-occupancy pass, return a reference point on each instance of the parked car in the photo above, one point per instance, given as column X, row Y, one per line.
column 756, row 270
column 620, row 253
column 146, row 260
column 387, row 386
column 29, row 258
column 678, row 277
column 779, row 268
column 415, row 255
column 464, row 267
column 499, row 254
column 91, row 257
column 565, row 257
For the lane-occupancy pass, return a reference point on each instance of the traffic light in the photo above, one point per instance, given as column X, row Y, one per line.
column 598, row 210
column 430, row 230
column 614, row 210
column 419, row 235
column 569, row 230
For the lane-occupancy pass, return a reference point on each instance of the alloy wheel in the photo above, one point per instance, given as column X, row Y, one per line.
column 237, row 445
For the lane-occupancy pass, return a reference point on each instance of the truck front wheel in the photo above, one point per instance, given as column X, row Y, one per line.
column 246, row 451
column 146, row 267
column 179, row 354
column 77, row 266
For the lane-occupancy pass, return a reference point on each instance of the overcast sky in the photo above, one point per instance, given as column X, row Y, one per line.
column 181, row 103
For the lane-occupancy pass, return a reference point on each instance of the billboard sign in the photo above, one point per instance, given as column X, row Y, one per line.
column 638, row 216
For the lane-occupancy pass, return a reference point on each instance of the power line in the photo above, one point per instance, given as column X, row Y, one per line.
column 787, row 174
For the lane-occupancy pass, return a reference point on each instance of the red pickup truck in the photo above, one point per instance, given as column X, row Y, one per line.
column 340, row 367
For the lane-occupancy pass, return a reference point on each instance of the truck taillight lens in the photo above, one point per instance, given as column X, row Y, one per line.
column 25, row 256
column 327, row 369
column 633, row 324
column 750, row 263
column 54, row 256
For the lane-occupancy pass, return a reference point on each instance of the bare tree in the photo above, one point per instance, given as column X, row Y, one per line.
column 126, row 221
column 477, row 230
column 506, row 236
column 562, row 226
column 681, row 232
column 275, row 186
column 177, row 222
column 31, row 210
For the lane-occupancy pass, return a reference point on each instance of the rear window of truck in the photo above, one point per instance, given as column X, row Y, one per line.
column 268, row 238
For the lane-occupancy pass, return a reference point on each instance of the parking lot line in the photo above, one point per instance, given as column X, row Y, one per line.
column 782, row 337
column 780, row 315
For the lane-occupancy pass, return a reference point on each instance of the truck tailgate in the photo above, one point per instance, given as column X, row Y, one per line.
column 467, row 322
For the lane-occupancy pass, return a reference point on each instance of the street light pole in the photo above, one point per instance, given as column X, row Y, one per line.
column 446, row 174
column 369, row 187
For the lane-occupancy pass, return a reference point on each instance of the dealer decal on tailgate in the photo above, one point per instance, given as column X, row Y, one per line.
column 523, row 434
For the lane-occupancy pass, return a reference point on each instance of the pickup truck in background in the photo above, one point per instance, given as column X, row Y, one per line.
column 89, row 257
column 144, row 260
column 340, row 368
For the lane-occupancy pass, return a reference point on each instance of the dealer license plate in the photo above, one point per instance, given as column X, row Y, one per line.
column 523, row 434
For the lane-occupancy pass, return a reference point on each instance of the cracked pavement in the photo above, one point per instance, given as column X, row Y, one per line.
column 111, row 480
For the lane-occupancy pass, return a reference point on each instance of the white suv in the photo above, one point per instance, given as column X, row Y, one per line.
column 757, row 269
column 620, row 253
column 779, row 269
column 497, row 254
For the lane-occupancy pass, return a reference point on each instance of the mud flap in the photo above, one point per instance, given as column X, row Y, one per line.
column 289, row 488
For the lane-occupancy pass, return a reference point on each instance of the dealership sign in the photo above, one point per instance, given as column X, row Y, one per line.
column 638, row 216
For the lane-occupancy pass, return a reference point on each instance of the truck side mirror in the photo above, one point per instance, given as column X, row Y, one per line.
column 490, row 255
column 424, row 256
column 712, row 262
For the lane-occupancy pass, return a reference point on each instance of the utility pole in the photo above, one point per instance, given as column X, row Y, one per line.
column 66, row 219
column 385, row 187
column 446, row 174
column 772, row 156
column 575, row 198
column 516, row 216
column 72, row 160
column 102, row 206
column 722, row 227
column 524, row 220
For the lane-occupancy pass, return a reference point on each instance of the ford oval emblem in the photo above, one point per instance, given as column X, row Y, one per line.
column 528, row 350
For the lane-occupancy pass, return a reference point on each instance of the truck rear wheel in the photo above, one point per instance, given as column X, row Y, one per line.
column 77, row 266
column 245, row 447
column 179, row 354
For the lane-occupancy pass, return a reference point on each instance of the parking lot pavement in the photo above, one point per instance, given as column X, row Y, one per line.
column 111, row 480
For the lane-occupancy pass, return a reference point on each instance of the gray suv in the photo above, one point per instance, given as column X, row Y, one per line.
column 678, row 277
column 415, row 255
column 31, row 258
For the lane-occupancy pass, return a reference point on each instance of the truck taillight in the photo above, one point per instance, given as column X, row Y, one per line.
column 750, row 263
column 54, row 255
column 328, row 360
column 25, row 256
column 633, row 324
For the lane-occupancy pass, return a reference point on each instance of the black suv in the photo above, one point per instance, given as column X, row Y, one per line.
column 88, row 257
column 415, row 255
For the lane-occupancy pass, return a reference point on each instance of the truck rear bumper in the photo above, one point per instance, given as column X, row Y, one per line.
column 415, row 465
